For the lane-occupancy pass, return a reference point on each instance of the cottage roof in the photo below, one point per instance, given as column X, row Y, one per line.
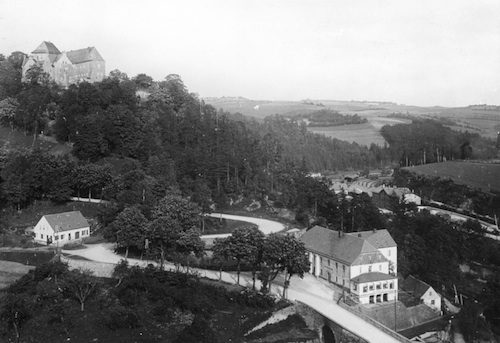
column 415, row 286
column 84, row 55
column 66, row 221
column 46, row 48
column 348, row 249
column 378, row 238
column 373, row 277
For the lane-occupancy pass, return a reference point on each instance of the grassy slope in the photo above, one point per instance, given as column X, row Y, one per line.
column 485, row 176
column 477, row 120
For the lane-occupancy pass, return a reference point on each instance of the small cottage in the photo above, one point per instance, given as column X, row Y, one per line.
column 61, row 228
column 422, row 291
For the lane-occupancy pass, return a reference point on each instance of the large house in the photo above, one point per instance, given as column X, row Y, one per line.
column 69, row 67
column 363, row 263
column 61, row 228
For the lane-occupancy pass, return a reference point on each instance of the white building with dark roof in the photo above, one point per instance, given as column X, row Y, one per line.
column 363, row 263
column 61, row 228
column 69, row 67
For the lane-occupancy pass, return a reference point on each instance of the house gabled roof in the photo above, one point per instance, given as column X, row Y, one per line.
column 378, row 238
column 372, row 277
column 348, row 249
column 46, row 48
column 66, row 221
column 415, row 286
column 84, row 55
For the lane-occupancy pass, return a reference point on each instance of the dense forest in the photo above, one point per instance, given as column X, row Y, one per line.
column 328, row 117
column 129, row 148
column 429, row 141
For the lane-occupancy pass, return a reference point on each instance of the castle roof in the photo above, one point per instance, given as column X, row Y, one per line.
column 348, row 249
column 66, row 221
column 46, row 48
column 84, row 55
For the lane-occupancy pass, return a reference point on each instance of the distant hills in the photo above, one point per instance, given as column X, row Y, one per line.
column 483, row 119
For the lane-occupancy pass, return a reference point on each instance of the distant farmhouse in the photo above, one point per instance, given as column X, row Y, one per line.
column 364, row 263
column 61, row 228
column 67, row 68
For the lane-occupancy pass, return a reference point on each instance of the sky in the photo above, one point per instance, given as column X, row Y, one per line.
column 423, row 53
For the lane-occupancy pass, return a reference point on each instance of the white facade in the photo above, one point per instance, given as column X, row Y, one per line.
column 432, row 299
column 372, row 292
column 46, row 234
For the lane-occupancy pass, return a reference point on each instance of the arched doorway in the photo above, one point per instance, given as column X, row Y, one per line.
column 328, row 336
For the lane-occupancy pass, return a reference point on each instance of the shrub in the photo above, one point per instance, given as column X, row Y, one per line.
column 119, row 317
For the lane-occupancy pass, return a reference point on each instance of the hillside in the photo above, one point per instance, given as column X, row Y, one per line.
column 484, row 176
column 484, row 120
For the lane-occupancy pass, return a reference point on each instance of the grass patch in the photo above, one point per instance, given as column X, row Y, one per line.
column 482, row 176
column 33, row 258
column 217, row 226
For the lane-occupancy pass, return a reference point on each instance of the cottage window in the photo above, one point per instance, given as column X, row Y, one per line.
column 365, row 289
column 62, row 236
column 69, row 237
column 77, row 235
column 430, row 292
column 385, row 284
column 432, row 302
column 343, row 268
column 41, row 235
column 371, row 287
column 336, row 265
column 328, row 263
column 56, row 238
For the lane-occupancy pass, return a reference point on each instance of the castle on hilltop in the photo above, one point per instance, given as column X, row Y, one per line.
column 67, row 67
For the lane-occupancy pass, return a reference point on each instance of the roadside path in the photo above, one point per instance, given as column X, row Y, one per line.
column 264, row 225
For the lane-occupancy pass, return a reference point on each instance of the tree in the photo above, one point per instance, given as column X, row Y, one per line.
column 245, row 246
column 8, row 108
column 220, row 252
column 15, row 312
column 176, row 207
column 81, row 285
column 189, row 243
column 131, row 228
column 283, row 253
column 164, row 233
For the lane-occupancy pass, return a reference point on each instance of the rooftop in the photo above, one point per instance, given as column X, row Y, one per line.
column 66, row 221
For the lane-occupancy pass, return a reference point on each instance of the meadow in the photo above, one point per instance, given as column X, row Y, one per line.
column 483, row 176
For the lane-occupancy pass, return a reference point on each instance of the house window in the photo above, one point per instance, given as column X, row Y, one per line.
column 77, row 235
column 69, row 237
column 62, row 236
column 365, row 289
column 336, row 265
column 328, row 263
column 385, row 285
column 430, row 292
column 369, row 269
column 371, row 287
column 354, row 286
column 343, row 268
column 56, row 238
column 391, row 285
column 41, row 235
column 379, row 286
column 432, row 302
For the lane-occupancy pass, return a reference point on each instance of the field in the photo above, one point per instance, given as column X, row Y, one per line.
column 484, row 176
column 484, row 120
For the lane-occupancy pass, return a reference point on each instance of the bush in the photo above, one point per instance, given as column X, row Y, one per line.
column 119, row 317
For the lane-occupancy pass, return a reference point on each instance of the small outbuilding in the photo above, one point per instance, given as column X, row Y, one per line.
column 422, row 291
column 61, row 228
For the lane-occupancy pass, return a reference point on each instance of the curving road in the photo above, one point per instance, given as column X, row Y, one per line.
column 312, row 291
column 264, row 225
